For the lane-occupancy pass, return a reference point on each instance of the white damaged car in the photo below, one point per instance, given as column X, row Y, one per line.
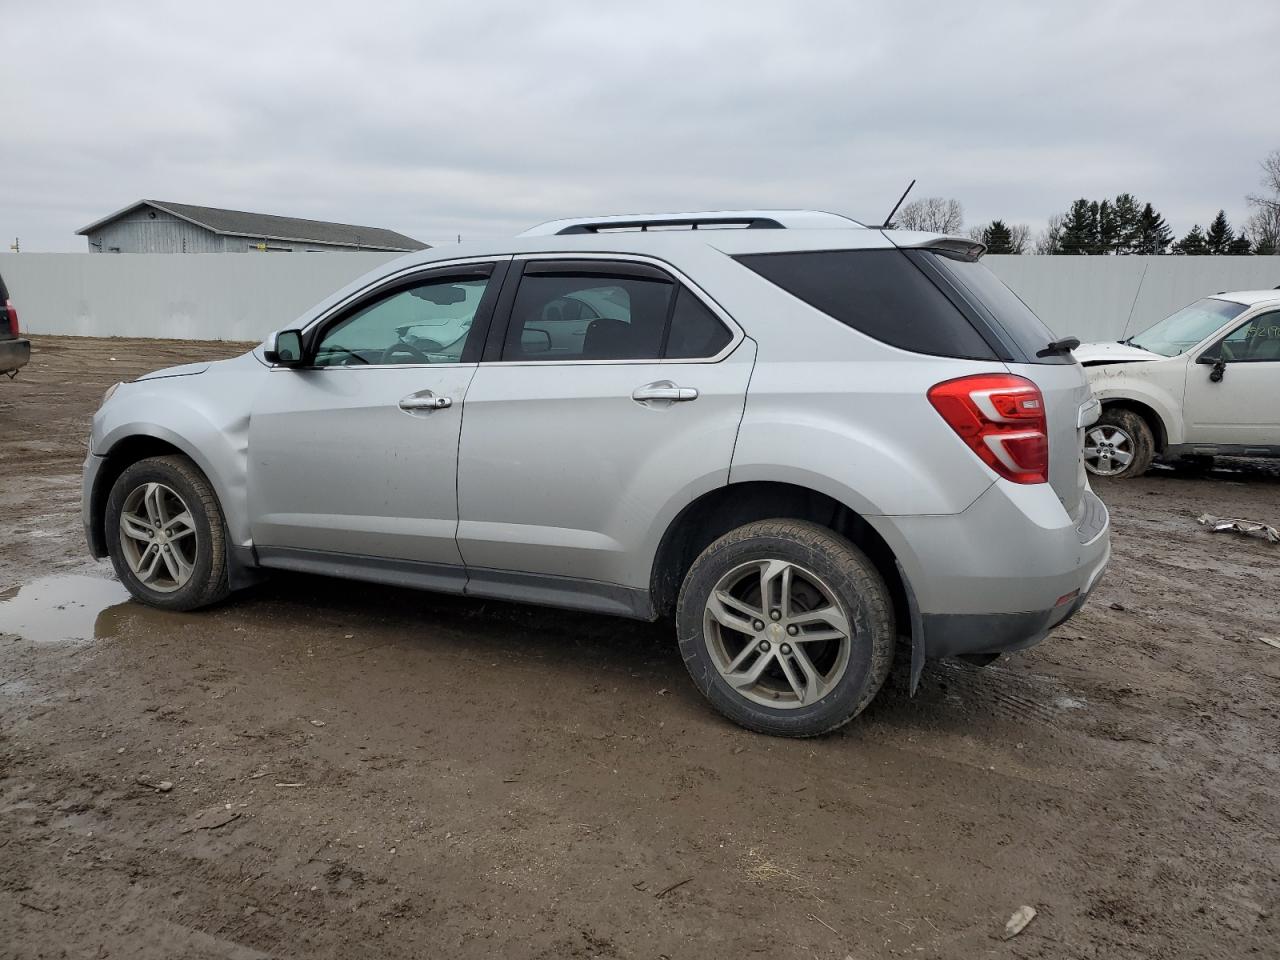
column 1201, row 383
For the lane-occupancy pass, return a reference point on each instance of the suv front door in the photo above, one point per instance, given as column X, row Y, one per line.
column 1243, row 407
column 354, row 456
column 610, row 391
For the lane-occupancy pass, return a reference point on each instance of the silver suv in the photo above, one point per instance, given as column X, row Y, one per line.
column 799, row 437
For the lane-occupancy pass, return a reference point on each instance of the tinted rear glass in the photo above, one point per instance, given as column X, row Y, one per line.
column 984, row 290
column 695, row 330
column 877, row 292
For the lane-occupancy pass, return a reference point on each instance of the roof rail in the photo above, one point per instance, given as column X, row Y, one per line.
column 715, row 219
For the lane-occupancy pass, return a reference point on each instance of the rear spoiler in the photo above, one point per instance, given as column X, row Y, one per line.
column 961, row 248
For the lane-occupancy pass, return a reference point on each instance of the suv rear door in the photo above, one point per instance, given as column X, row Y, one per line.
column 609, row 391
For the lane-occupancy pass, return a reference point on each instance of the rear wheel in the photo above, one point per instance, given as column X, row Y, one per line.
column 1119, row 445
column 786, row 627
column 165, row 534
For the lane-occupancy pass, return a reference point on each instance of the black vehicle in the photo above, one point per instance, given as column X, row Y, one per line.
column 15, row 351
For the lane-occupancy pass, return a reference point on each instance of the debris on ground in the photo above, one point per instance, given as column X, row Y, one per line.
column 1018, row 922
column 1247, row 527
column 210, row 818
column 1271, row 642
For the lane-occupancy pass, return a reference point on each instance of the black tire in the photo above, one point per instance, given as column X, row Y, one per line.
column 858, row 590
column 208, row 579
column 1141, row 441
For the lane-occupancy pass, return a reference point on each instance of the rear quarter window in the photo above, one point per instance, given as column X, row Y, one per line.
column 880, row 293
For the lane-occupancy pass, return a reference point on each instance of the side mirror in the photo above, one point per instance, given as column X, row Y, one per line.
column 1219, row 365
column 285, row 349
column 535, row 341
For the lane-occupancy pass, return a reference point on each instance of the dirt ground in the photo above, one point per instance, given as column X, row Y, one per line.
column 366, row 772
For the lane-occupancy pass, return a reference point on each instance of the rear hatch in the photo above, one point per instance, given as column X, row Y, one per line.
column 1021, row 339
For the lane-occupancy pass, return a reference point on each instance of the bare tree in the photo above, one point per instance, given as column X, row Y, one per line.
column 1263, row 226
column 932, row 215
column 1019, row 237
column 1270, row 200
column 1050, row 239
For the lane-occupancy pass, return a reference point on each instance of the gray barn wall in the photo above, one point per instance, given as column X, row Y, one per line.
column 245, row 297
column 164, row 234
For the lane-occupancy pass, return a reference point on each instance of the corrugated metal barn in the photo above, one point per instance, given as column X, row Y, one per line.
column 158, row 226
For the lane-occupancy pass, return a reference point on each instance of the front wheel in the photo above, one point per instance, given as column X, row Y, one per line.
column 1119, row 445
column 165, row 534
column 786, row 627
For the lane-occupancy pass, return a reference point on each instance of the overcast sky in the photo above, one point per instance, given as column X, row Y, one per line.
column 483, row 118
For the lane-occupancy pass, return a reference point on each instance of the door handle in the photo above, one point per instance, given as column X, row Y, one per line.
column 663, row 390
column 425, row 401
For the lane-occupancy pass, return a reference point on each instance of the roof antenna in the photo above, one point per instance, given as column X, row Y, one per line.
column 888, row 221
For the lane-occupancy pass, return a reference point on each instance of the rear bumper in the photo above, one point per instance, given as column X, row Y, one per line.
column 961, row 634
column 14, row 354
column 1002, row 574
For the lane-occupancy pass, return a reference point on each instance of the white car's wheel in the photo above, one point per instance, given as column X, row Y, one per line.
column 1119, row 445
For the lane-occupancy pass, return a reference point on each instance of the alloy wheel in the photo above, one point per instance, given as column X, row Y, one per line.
column 1108, row 450
column 777, row 634
column 158, row 537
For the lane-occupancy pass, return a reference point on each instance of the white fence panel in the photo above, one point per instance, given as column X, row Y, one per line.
column 208, row 296
column 244, row 296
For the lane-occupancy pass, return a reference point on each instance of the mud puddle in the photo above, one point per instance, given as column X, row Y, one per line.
column 61, row 609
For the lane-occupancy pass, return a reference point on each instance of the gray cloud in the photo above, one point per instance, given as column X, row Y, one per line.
column 482, row 118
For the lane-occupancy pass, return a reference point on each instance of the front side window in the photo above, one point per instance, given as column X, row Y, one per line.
column 428, row 322
column 1183, row 330
column 1259, row 339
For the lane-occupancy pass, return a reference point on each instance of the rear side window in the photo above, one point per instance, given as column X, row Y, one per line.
column 1003, row 308
column 564, row 315
column 877, row 292
column 588, row 317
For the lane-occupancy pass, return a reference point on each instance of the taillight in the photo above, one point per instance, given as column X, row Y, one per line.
column 12, row 311
column 1001, row 417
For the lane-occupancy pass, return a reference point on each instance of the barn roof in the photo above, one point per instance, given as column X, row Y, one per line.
column 266, row 226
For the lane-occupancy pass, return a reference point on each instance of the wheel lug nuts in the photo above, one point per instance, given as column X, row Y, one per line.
column 775, row 614
column 793, row 629
column 759, row 625
column 786, row 649
column 764, row 646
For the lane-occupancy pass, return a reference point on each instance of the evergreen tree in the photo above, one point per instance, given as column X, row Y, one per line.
column 1079, row 229
column 1193, row 244
column 1239, row 247
column 998, row 238
column 1154, row 235
column 1219, row 236
column 1128, row 223
column 1108, row 229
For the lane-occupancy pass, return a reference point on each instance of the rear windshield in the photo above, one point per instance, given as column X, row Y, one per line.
column 1005, row 310
column 877, row 292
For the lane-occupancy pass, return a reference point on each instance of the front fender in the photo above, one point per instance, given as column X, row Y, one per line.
column 1139, row 383
column 204, row 416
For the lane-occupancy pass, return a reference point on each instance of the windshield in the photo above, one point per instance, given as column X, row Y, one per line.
column 1182, row 331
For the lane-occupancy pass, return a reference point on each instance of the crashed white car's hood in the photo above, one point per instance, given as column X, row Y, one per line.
column 1112, row 353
